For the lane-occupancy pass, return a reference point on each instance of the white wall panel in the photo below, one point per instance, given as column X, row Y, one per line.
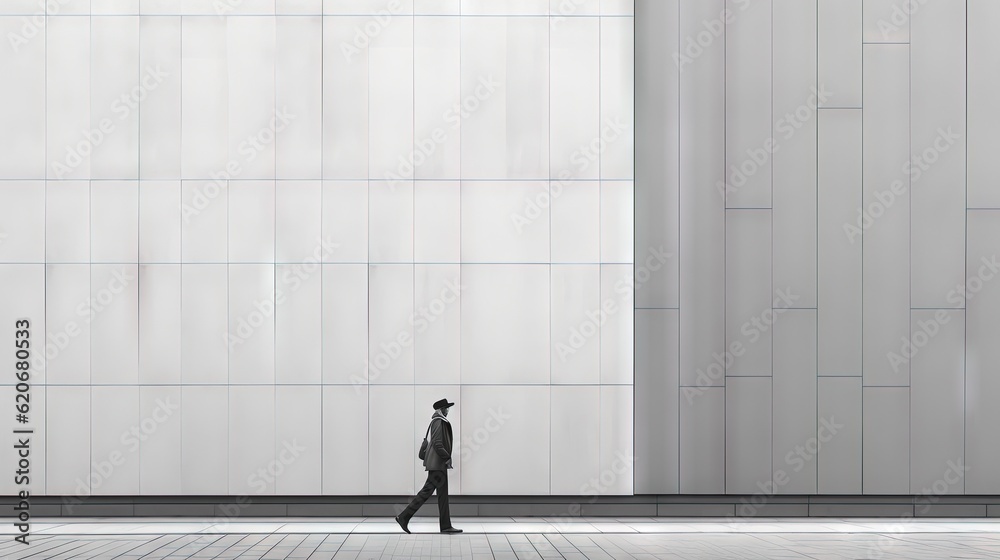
column 345, row 100
column 437, row 222
column 68, row 433
column 24, row 107
column 205, row 435
column 748, row 104
column 298, row 223
column 114, row 445
column 938, row 133
column 345, row 220
column 839, row 256
column 839, row 435
column 507, row 136
column 160, row 114
column 937, row 401
column 505, row 328
column 617, row 451
column 436, row 7
column 618, row 326
column 617, row 222
column 437, row 141
column 117, row 87
column 748, row 291
column 390, row 99
column 839, row 45
column 298, row 324
column 204, row 323
column 575, row 216
column 251, row 221
column 886, row 266
column 617, row 98
column 159, row 324
column 345, row 324
column 114, row 221
column 114, row 315
column 368, row 7
column 576, row 342
column 299, row 7
column 748, row 434
column 67, row 325
column 657, row 400
column 513, row 458
column 657, row 160
column 345, row 433
column 702, row 222
column 437, row 328
column 888, row 21
column 160, row 221
column 982, row 386
column 160, row 452
column 390, row 324
column 886, row 440
column 794, row 95
column 513, row 7
column 67, row 221
column 204, row 221
column 298, row 93
column 793, row 414
column 703, row 440
column 390, row 221
column 22, row 215
column 250, row 335
column 28, row 282
column 576, row 442
column 253, row 466
column 252, row 119
column 575, row 96
column 502, row 221
column 67, row 97
column 204, row 98
column 984, row 116
column 392, row 449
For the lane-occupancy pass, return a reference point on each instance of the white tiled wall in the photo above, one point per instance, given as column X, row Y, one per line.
column 262, row 241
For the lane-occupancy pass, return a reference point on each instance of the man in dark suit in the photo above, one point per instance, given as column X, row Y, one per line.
column 437, row 461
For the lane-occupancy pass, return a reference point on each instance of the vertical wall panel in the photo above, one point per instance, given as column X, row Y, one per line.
column 937, row 401
column 748, row 291
column 657, row 155
column 68, row 433
column 116, row 88
column 839, row 51
column 657, row 398
column 839, row 255
column 298, row 224
column 205, row 435
column 205, row 221
column 249, row 338
column 617, row 451
column 390, row 331
column 67, row 326
column 886, row 440
column 575, row 99
column 345, row 407
column 793, row 417
column 67, row 98
column 839, row 435
column 576, row 291
column 67, row 221
column 204, row 98
column 795, row 95
column 702, row 222
column 392, row 451
column 575, row 459
column 159, row 324
column 251, row 441
column 298, row 434
column 159, row 221
column 984, row 116
column 345, row 101
column 437, row 327
column 436, row 93
column 703, row 440
column 298, row 94
column 888, row 21
column 28, row 282
column 748, row 434
column 24, row 107
column 114, row 317
column 204, row 323
column 345, row 324
column 390, row 109
column 938, row 135
column 982, row 385
column 886, row 266
column 748, row 105
column 160, row 114
column 160, row 455
column 22, row 213
column 617, row 329
column 114, row 447
column 617, row 98
column 114, row 221
column 252, row 119
column 298, row 324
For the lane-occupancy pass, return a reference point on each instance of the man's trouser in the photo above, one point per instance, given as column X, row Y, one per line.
column 436, row 480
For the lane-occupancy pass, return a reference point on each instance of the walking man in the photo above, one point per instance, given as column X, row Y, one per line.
column 436, row 453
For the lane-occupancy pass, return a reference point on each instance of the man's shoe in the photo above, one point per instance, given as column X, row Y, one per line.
column 451, row 530
column 403, row 524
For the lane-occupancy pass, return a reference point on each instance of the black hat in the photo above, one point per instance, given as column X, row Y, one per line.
column 443, row 403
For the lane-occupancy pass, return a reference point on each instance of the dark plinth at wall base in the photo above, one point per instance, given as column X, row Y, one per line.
column 228, row 507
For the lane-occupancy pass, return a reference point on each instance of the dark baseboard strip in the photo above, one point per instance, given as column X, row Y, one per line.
column 226, row 507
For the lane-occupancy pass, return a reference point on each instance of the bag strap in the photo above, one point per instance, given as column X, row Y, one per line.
column 428, row 429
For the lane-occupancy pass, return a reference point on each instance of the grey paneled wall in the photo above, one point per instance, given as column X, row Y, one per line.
column 822, row 172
